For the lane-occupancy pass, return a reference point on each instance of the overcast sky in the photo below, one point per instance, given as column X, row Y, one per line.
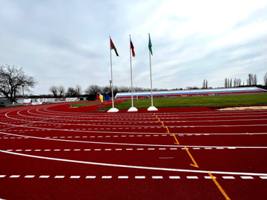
column 66, row 43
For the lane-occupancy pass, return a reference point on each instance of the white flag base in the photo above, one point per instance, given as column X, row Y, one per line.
column 152, row 108
column 132, row 109
column 112, row 110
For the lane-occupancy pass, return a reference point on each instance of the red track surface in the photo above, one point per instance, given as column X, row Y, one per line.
column 54, row 152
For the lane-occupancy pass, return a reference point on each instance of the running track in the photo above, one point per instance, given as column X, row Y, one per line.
column 50, row 152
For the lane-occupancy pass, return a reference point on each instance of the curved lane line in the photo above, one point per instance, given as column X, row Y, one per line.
column 130, row 144
column 134, row 166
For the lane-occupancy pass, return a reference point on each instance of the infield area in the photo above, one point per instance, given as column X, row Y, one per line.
column 54, row 152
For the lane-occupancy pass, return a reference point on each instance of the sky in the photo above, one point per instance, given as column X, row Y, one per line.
column 66, row 43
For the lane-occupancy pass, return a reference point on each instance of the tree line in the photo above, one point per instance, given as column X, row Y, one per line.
column 14, row 82
column 92, row 90
column 237, row 82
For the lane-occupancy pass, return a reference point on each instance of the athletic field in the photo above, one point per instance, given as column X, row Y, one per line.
column 63, row 152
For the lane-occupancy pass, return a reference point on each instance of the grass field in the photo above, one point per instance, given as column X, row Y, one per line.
column 202, row 101
column 83, row 104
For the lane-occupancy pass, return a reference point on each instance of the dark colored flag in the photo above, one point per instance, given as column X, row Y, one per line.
column 150, row 44
column 112, row 46
column 132, row 48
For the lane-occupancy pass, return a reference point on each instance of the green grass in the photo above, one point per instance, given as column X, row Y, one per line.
column 83, row 104
column 202, row 101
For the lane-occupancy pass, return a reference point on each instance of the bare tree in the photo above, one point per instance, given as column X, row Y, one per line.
column 265, row 79
column 78, row 90
column 226, row 83
column 54, row 91
column 106, row 90
column 12, row 79
column 61, row 91
column 255, row 79
column 93, row 90
column 205, row 84
column 250, row 79
column 71, row 92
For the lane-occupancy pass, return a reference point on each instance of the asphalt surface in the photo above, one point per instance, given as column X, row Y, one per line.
column 57, row 152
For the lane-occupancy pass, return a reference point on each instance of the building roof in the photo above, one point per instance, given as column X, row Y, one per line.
column 192, row 92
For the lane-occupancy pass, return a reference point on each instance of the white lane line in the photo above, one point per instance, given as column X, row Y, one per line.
column 140, row 149
column 2, row 176
column 123, row 177
column 108, row 149
column 47, row 149
column 37, row 149
column 106, row 177
column 76, row 149
column 192, row 177
column 150, row 149
column 246, row 177
column 263, row 177
column 75, row 177
column 57, row 149
column 231, row 147
column 118, row 149
column 133, row 144
column 174, row 177
column 209, row 177
column 207, row 148
column 172, row 149
column 97, row 149
column 140, row 177
column 14, row 176
column 90, row 177
column 157, row 177
column 59, row 176
column 44, row 176
column 228, row 177
column 29, row 176
column 129, row 149
column 135, row 166
column 66, row 149
column 87, row 149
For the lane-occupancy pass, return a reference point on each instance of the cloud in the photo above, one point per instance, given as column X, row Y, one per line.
column 66, row 42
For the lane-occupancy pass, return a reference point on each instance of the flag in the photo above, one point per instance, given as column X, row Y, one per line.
column 150, row 44
column 112, row 46
column 132, row 48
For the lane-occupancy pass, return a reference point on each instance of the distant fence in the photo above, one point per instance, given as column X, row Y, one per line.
column 38, row 101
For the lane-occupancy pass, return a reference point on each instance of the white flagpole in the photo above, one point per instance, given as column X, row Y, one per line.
column 152, row 107
column 111, row 75
column 151, row 92
column 113, row 109
column 132, row 108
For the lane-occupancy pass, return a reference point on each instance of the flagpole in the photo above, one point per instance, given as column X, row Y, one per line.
column 132, row 108
column 131, row 69
column 111, row 75
column 151, row 92
column 152, row 107
column 113, row 109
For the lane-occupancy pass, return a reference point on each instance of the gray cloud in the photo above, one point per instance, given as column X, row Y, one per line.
column 66, row 42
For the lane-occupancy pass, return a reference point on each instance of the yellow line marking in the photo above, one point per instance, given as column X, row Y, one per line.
column 167, row 129
column 192, row 158
column 194, row 163
column 175, row 138
column 219, row 187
